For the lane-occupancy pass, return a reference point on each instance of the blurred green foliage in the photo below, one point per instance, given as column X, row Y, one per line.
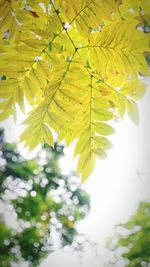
column 134, row 238
column 36, row 200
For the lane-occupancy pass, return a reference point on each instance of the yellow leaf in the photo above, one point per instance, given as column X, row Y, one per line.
column 47, row 135
column 78, row 64
column 132, row 111
column 103, row 115
column 100, row 153
column 82, row 142
column 103, row 128
column 134, row 88
column 86, row 165
column 102, row 142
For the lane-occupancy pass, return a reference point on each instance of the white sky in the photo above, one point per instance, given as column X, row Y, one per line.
column 116, row 186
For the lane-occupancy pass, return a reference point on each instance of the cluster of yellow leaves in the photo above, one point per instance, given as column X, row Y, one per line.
column 78, row 64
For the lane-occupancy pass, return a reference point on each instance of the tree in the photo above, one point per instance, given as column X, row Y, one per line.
column 36, row 201
column 79, row 64
column 134, row 238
